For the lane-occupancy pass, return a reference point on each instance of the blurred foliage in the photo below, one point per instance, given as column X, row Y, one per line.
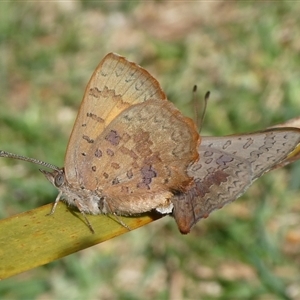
column 246, row 53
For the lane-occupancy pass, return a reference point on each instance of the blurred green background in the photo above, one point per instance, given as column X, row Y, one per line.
column 246, row 53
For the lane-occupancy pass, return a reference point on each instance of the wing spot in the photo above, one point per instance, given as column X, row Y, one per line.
column 98, row 153
column 208, row 161
column 90, row 141
column 248, row 143
column 95, row 92
column 147, row 174
column 110, row 152
column 115, row 181
column 128, row 152
column 113, row 137
column 95, row 117
column 125, row 189
column 129, row 174
column 208, row 153
column 115, row 166
column 223, row 160
column 227, row 144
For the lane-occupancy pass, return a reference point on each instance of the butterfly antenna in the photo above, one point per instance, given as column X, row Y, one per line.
column 198, row 121
column 206, row 97
column 196, row 105
column 29, row 159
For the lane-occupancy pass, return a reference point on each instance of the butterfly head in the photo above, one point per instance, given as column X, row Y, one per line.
column 56, row 177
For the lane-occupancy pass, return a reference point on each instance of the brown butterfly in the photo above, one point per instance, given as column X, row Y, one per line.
column 129, row 149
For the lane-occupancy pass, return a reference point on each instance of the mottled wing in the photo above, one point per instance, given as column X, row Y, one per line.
column 141, row 157
column 219, row 178
column 292, row 124
column 115, row 85
column 262, row 149
column 227, row 167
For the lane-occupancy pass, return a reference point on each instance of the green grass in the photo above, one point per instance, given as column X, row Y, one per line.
column 246, row 54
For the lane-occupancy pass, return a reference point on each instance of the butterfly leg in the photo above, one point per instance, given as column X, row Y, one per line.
column 84, row 216
column 55, row 204
column 116, row 217
column 121, row 222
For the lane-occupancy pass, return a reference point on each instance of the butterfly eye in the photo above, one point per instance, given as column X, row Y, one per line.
column 59, row 180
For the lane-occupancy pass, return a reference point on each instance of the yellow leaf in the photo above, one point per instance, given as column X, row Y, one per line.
column 32, row 239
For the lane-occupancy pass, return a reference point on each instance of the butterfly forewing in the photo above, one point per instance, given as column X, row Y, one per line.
column 115, row 85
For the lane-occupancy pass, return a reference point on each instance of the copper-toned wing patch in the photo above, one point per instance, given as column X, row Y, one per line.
column 227, row 167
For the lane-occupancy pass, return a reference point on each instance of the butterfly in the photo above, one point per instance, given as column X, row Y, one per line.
column 129, row 149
